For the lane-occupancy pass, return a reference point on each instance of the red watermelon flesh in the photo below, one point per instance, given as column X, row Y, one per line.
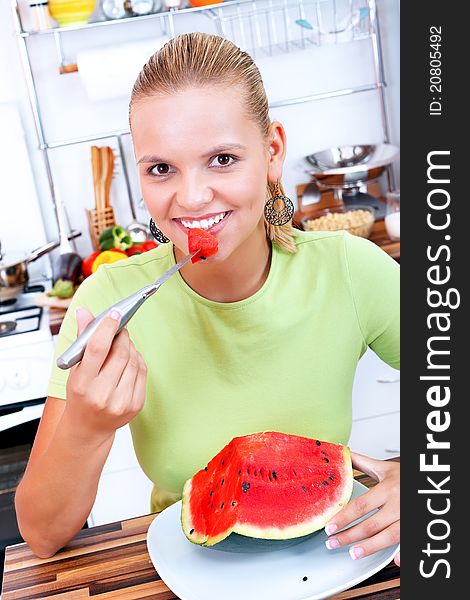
column 267, row 485
column 198, row 239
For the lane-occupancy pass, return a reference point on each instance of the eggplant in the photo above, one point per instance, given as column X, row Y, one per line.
column 67, row 265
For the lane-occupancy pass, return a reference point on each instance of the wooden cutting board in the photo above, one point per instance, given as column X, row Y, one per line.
column 52, row 301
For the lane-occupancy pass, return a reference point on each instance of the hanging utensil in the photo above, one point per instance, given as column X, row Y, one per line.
column 138, row 231
column 68, row 264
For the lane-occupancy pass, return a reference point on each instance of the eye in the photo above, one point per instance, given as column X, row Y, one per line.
column 223, row 160
column 160, row 169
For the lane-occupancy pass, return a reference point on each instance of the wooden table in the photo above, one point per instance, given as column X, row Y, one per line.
column 111, row 561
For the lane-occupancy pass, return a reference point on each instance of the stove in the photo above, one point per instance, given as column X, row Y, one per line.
column 26, row 349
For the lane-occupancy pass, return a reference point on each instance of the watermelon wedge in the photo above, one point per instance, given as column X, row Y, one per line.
column 267, row 485
column 198, row 239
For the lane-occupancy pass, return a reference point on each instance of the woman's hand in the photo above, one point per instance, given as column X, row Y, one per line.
column 107, row 388
column 380, row 530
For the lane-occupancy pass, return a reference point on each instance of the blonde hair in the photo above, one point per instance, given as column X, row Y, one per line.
column 201, row 59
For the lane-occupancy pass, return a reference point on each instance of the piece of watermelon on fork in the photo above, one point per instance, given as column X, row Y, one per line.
column 201, row 240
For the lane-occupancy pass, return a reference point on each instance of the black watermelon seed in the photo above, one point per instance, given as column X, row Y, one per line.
column 212, row 491
column 255, row 473
column 233, row 502
column 295, row 473
column 326, row 460
column 222, row 505
column 245, row 487
column 222, row 482
column 304, row 578
column 323, row 452
column 318, row 443
column 248, row 471
column 202, row 257
column 274, row 474
column 304, row 488
column 222, row 462
column 331, row 477
column 192, row 531
column 240, row 472
column 325, row 482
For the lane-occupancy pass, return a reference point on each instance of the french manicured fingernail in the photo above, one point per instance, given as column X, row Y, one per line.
column 356, row 552
column 331, row 528
column 115, row 314
column 332, row 543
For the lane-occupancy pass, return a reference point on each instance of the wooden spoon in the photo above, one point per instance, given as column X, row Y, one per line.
column 96, row 169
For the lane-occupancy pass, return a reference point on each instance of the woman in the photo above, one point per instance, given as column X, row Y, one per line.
column 265, row 335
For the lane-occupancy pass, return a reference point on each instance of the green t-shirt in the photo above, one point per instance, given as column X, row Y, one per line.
column 283, row 359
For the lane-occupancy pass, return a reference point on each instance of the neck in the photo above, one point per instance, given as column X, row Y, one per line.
column 238, row 277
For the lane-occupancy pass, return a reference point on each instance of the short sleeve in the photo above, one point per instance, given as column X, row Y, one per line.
column 93, row 294
column 375, row 287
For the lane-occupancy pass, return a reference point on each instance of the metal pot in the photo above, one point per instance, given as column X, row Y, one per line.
column 14, row 269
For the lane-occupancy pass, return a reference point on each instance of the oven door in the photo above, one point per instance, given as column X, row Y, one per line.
column 20, row 413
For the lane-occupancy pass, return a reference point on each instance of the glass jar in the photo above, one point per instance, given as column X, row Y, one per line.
column 114, row 9
column 40, row 17
column 392, row 215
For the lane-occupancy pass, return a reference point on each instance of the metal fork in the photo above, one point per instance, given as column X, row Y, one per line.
column 127, row 307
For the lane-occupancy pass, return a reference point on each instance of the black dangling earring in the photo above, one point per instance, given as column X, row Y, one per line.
column 158, row 234
column 279, row 209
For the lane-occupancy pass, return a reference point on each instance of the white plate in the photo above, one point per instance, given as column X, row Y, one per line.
column 196, row 573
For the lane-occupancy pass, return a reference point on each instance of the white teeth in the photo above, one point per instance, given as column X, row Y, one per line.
column 204, row 223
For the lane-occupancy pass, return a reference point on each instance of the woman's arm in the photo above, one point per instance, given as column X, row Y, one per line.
column 58, row 489
column 104, row 392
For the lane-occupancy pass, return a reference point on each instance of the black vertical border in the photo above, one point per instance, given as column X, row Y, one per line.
column 422, row 133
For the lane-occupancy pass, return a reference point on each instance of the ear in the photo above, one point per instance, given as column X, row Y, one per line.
column 276, row 150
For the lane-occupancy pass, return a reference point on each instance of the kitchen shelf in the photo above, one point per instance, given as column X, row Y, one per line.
column 288, row 25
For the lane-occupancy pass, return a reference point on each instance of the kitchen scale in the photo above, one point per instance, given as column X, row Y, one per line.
column 347, row 169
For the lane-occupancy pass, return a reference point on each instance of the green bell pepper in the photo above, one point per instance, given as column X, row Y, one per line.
column 115, row 237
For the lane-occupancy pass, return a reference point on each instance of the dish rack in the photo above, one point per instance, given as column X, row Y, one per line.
column 267, row 27
column 260, row 27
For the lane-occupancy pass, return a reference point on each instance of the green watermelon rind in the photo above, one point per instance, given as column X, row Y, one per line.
column 273, row 533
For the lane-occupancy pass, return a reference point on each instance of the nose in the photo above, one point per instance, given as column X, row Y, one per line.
column 193, row 193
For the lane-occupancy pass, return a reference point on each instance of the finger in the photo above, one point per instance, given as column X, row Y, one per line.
column 363, row 530
column 117, row 359
column 125, row 387
column 397, row 559
column 357, row 508
column 83, row 318
column 98, row 346
column 387, row 537
column 369, row 466
column 140, row 388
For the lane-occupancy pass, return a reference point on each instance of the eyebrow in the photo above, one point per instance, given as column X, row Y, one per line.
column 152, row 158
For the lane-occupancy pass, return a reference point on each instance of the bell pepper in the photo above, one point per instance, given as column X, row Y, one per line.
column 62, row 289
column 135, row 249
column 149, row 245
column 88, row 263
column 115, row 237
column 107, row 257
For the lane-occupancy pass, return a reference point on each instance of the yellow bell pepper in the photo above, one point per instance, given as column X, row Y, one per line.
column 107, row 257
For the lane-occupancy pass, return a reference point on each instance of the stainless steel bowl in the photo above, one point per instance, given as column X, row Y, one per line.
column 352, row 159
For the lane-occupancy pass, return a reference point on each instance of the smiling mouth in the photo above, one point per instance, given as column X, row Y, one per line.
column 206, row 223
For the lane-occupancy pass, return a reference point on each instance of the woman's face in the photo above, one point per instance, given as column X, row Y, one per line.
column 203, row 163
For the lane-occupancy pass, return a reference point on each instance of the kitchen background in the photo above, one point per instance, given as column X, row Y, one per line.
column 89, row 103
